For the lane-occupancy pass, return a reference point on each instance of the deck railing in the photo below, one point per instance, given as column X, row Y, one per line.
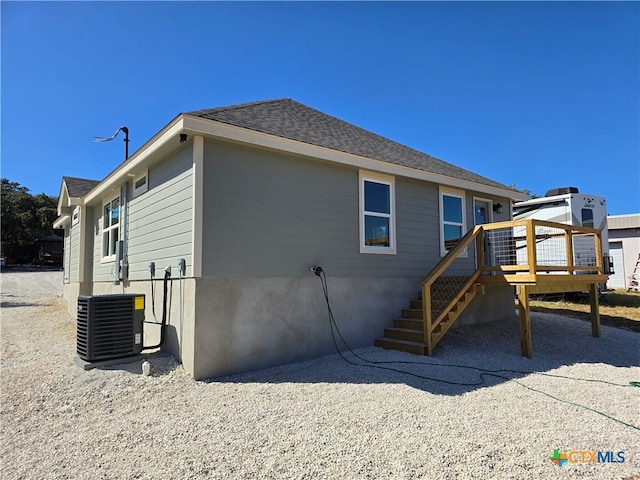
column 444, row 286
column 532, row 247
column 518, row 252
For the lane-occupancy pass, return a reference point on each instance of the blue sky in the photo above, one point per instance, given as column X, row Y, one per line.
column 536, row 94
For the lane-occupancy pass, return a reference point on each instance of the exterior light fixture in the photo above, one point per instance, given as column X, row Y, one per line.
column 183, row 138
column 497, row 208
column 126, row 139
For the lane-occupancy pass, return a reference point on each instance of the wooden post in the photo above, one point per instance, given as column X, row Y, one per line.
column 599, row 253
column 480, row 249
column 568, row 238
column 595, row 310
column 531, row 248
column 426, row 316
column 525, row 321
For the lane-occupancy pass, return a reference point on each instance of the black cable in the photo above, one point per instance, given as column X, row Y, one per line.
column 153, row 300
column 484, row 372
column 163, row 324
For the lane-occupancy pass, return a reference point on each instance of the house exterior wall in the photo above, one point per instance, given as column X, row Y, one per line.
column 267, row 219
column 74, row 248
column 159, row 221
column 67, row 255
column 251, row 323
column 274, row 215
column 249, row 299
column 180, row 313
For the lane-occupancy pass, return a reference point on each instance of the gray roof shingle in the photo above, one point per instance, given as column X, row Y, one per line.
column 79, row 187
column 289, row 119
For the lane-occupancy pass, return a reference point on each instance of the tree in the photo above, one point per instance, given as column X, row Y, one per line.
column 24, row 218
column 525, row 191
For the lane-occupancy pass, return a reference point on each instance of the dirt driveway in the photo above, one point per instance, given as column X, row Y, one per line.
column 323, row 418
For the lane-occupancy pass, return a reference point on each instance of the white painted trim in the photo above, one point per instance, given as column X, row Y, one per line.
column 135, row 162
column 62, row 221
column 105, row 201
column 451, row 192
column 168, row 138
column 489, row 202
column 75, row 215
column 232, row 133
column 197, row 205
column 140, row 190
column 384, row 179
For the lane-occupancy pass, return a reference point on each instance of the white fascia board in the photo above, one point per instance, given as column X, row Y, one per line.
column 218, row 130
column 61, row 221
column 223, row 131
column 133, row 164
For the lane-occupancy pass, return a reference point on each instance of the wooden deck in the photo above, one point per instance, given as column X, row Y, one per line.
column 533, row 256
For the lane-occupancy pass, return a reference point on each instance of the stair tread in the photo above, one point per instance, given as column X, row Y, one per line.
column 397, row 340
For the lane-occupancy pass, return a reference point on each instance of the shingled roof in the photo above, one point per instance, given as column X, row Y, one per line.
column 289, row 119
column 79, row 187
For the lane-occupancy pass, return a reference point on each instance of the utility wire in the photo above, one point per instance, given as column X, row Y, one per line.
column 364, row 362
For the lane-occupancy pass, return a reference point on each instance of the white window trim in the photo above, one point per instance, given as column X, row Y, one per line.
column 75, row 215
column 452, row 193
column 107, row 201
column 388, row 180
column 140, row 190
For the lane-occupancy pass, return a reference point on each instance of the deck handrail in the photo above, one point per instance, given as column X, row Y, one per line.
column 451, row 255
column 535, row 265
column 430, row 324
column 519, row 234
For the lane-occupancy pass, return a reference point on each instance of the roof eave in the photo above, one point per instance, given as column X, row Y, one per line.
column 167, row 140
column 227, row 132
column 62, row 221
column 163, row 142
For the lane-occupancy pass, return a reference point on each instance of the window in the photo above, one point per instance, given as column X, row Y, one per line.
column 377, row 222
column 140, row 183
column 452, row 224
column 110, row 227
column 75, row 216
column 587, row 218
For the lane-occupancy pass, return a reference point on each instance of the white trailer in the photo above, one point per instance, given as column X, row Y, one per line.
column 567, row 205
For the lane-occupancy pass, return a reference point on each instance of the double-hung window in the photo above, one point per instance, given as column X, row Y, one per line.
column 377, row 213
column 452, row 224
column 110, row 227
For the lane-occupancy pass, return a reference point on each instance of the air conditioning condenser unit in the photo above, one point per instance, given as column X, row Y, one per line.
column 109, row 326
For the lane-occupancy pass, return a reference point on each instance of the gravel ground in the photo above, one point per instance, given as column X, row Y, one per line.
column 318, row 419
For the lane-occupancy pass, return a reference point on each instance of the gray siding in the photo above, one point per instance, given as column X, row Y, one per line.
column 159, row 221
column 268, row 214
column 74, row 252
column 67, row 254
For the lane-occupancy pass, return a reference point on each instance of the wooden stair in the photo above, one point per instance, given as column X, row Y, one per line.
column 407, row 333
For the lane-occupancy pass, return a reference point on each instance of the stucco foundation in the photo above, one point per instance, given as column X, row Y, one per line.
column 248, row 323
column 224, row 325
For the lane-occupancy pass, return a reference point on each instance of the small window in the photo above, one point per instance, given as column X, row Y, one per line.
column 587, row 218
column 377, row 222
column 75, row 216
column 141, row 183
column 110, row 227
column 452, row 224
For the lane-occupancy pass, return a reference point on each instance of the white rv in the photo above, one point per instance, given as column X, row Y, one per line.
column 567, row 205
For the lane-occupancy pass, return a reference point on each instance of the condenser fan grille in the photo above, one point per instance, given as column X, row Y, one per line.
column 109, row 326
